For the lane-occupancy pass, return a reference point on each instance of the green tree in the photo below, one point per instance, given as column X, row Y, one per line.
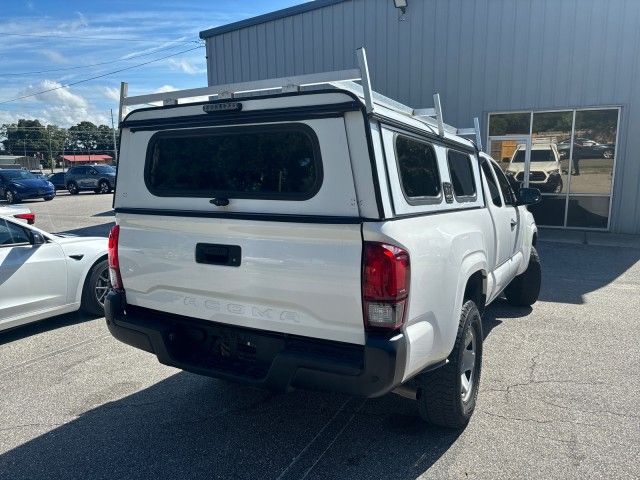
column 26, row 137
column 83, row 137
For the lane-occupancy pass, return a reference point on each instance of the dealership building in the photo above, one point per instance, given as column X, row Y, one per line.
column 557, row 78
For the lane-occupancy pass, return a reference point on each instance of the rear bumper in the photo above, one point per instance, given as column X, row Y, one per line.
column 264, row 359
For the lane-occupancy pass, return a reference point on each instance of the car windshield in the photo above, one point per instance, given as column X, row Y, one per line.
column 18, row 175
column 104, row 169
column 545, row 155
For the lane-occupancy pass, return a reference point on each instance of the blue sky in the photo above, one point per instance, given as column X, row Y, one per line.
column 144, row 30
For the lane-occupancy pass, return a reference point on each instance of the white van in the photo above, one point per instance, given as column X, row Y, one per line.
column 322, row 238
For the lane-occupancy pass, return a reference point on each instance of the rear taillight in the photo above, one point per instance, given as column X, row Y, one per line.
column 29, row 217
column 386, row 274
column 114, row 261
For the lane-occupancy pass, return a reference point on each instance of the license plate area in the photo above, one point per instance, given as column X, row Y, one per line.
column 238, row 353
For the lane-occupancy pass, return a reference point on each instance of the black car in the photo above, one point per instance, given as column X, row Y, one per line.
column 586, row 148
column 17, row 185
column 58, row 180
column 99, row 178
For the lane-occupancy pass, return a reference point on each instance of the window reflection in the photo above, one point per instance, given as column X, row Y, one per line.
column 588, row 211
column 593, row 151
column 509, row 123
column 548, row 132
column 578, row 174
column 549, row 212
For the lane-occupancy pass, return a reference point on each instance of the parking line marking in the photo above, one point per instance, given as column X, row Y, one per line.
column 32, row 361
column 317, row 435
column 356, row 411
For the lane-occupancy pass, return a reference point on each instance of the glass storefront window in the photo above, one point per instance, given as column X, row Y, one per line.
column 550, row 211
column 509, row 123
column 594, row 146
column 571, row 161
column 588, row 211
column 550, row 172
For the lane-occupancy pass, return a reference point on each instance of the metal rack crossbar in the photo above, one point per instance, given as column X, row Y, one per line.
column 342, row 79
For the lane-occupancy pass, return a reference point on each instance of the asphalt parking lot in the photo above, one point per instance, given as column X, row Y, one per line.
column 558, row 397
column 84, row 214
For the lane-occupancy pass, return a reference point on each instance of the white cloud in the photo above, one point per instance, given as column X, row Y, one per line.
column 186, row 66
column 59, row 96
column 164, row 89
column 55, row 56
column 74, row 25
column 62, row 107
column 112, row 93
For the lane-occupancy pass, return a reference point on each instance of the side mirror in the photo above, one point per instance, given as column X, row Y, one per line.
column 528, row 196
column 37, row 239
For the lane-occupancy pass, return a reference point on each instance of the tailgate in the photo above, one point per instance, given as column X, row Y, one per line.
column 296, row 278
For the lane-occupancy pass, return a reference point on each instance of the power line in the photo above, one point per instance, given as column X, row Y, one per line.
column 99, row 76
column 106, row 62
column 82, row 37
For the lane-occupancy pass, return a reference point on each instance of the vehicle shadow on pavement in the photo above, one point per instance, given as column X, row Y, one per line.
column 42, row 326
column 108, row 213
column 101, row 230
column 498, row 311
column 571, row 271
column 191, row 427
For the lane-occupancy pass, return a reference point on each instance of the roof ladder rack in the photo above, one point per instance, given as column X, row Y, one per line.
column 230, row 91
column 468, row 132
column 436, row 112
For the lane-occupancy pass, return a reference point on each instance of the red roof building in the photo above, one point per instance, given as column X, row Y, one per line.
column 81, row 159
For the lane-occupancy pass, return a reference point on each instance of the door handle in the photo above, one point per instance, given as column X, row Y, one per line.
column 513, row 224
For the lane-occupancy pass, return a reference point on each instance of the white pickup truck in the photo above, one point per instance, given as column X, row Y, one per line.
column 319, row 238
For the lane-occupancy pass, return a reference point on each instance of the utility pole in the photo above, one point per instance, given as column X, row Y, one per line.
column 115, row 147
column 50, row 152
column 63, row 144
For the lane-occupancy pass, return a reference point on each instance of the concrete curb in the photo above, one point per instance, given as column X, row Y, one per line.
column 601, row 239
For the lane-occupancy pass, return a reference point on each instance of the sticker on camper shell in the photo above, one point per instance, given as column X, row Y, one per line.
column 447, row 188
column 222, row 107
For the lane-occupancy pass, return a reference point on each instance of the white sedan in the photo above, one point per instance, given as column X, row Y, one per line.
column 17, row 211
column 42, row 275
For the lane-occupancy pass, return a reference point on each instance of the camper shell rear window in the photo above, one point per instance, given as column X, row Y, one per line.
column 279, row 162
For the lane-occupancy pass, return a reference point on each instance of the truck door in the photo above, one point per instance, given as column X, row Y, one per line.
column 506, row 219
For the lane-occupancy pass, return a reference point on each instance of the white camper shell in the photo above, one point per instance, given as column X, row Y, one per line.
column 310, row 233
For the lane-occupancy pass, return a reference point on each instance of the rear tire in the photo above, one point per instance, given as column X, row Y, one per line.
column 96, row 287
column 48, row 198
column 73, row 188
column 103, row 187
column 523, row 291
column 10, row 197
column 444, row 397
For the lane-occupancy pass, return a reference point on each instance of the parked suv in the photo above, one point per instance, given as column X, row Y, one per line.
column 304, row 241
column 545, row 169
column 99, row 178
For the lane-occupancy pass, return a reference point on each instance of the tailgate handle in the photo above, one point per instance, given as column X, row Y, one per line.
column 214, row 254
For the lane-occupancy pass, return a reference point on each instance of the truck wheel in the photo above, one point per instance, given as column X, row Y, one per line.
column 96, row 287
column 447, row 396
column 523, row 291
column 558, row 187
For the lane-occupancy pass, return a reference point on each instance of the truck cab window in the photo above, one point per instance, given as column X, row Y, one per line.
column 507, row 193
